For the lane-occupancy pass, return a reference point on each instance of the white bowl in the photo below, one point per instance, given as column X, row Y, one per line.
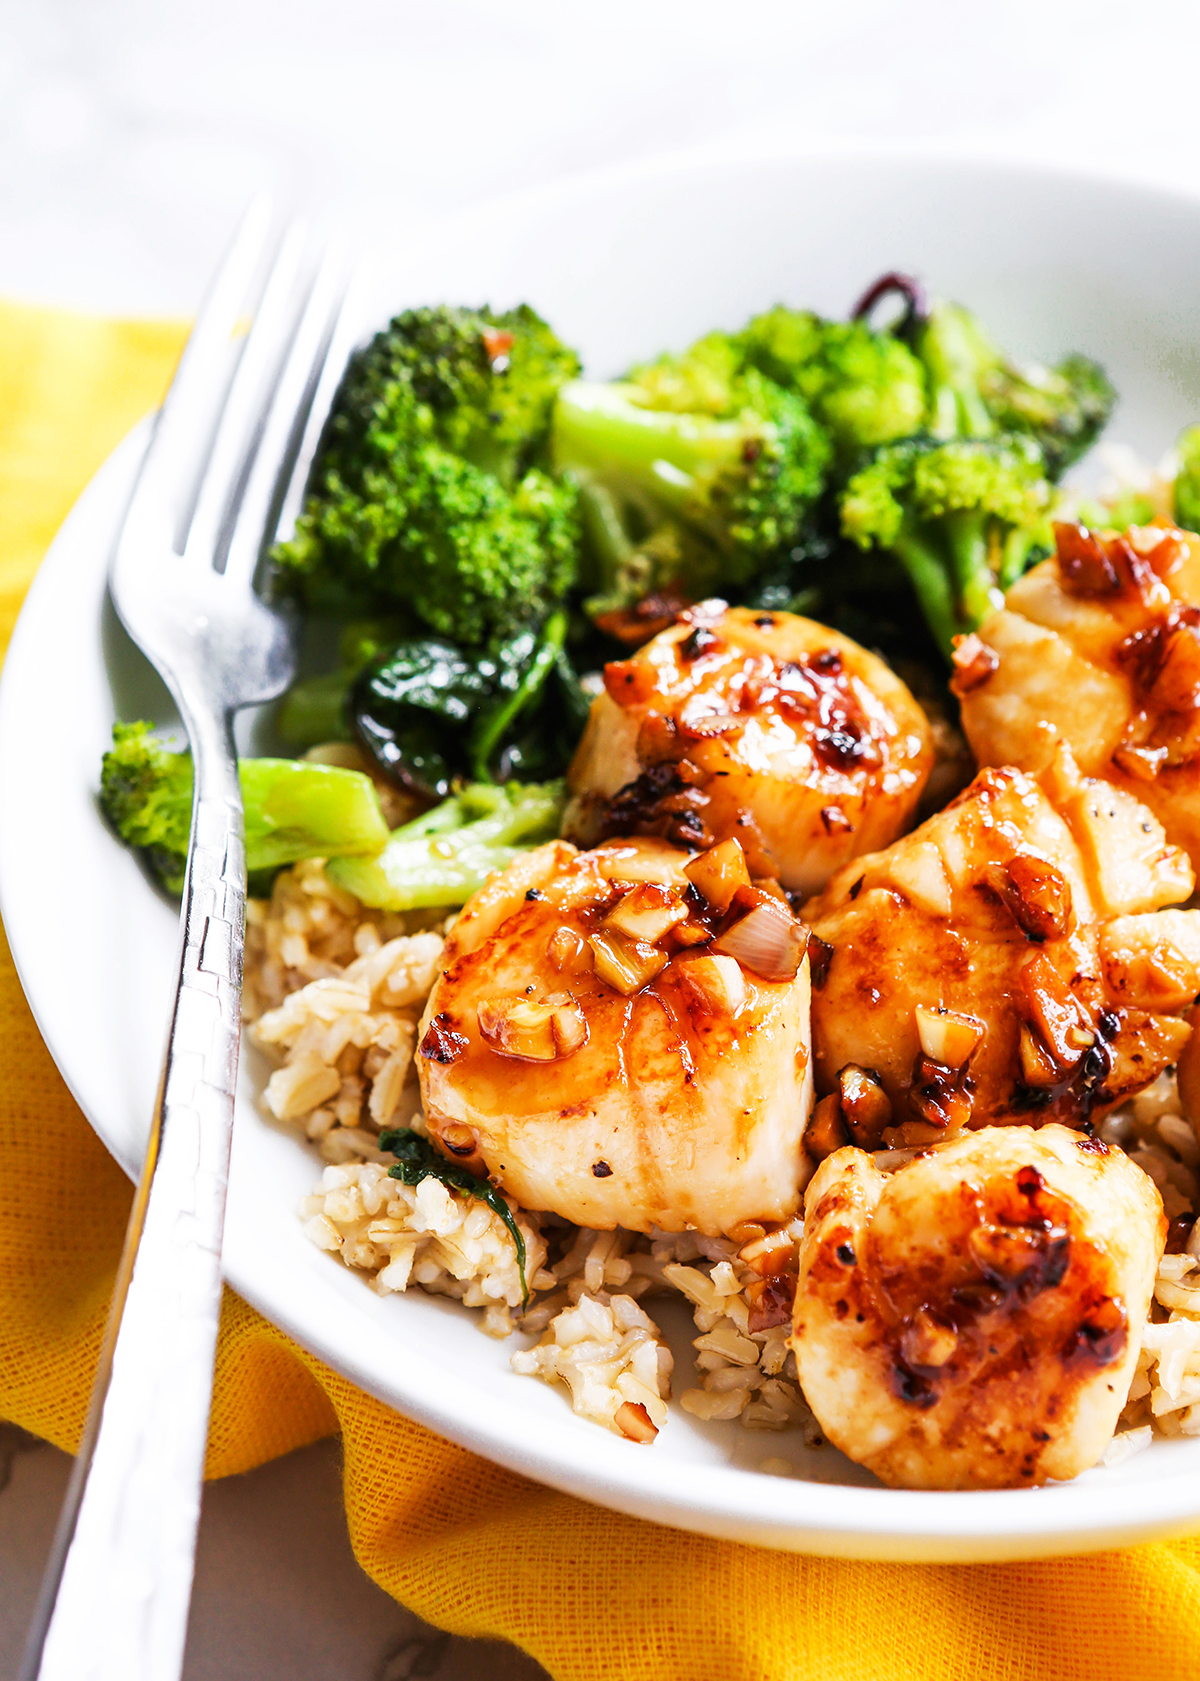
column 622, row 264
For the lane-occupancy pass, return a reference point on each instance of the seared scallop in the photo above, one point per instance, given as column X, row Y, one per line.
column 1098, row 647
column 973, row 1319
column 622, row 1037
column 761, row 725
column 1008, row 960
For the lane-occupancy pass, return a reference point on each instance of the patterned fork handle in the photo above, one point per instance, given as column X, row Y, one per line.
column 130, row 1618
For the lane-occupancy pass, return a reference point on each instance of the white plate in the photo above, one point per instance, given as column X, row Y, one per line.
column 622, row 264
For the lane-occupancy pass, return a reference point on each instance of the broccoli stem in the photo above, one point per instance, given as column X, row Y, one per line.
column 604, row 532
column 599, row 428
column 293, row 809
column 1015, row 554
column 966, row 533
column 299, row 810
column 442, row 858
column 930, row 579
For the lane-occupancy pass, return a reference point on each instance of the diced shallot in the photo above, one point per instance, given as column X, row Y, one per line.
column 535, row 1030
column 718, row 873
column 768, row 940
column 948, row 1036
column 624, row 964
column 646, row 912
column 717, row 981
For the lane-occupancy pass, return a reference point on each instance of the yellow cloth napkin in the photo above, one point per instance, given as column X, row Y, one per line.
column 466, row 1545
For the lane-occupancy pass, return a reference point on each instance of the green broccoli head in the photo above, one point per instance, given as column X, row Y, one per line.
column 867, row 387
column 422, row 496
column 489, row 382
column 146, row 794
column 1064, row 409
column 478, row 562
column 961, row 515
column 977, row 391
column 716, row 493
column 1187, row 480
column 699, row 380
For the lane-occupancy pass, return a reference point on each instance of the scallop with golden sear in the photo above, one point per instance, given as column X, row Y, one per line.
column 1009, row 959
column 1098, row 647
column 764, row 726
column 973, row 1319
column 621, row 1037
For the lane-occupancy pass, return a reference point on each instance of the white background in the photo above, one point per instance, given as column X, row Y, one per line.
column 133, row 131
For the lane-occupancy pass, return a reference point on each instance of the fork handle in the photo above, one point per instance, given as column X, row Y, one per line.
column 114, row 1601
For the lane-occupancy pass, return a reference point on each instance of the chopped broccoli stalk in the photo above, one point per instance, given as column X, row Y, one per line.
column 1187, row 480
column 428, row 492
column 698, row 498
column 442, row 858
column 867, row 387
column 976, row 391
column 293, row 809
column 948, row 512
column 416, row 1159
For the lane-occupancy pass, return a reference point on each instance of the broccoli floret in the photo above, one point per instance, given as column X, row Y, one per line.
column 1187, row 480
column 426, row 493
column 962, row 517
column 699, row 380
column 867, row 387
column 976, row 391
column 693, row 478
column 442, row 858
column 293, row 809
column 480, row 562
column 489, row 382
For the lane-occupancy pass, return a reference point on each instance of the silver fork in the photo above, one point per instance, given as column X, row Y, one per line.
column 114, row 1601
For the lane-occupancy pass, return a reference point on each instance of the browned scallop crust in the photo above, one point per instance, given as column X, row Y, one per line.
column 1022, row 925
column 1099, row 647
column 679, row 1102
column 973, row 1320
column 766, row 726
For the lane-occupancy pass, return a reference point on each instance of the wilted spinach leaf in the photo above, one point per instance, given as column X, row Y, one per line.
column 412, row 712
column 416, row 1159
column 430, row 713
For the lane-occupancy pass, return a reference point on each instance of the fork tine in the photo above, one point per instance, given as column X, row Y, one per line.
column 240, row 426
column 184, row 427
column 295, row 414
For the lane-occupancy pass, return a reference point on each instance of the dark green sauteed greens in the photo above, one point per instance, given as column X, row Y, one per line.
column 416, row 1159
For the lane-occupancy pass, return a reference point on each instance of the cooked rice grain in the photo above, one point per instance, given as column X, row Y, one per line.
column 451, row 1245
column 611, row 1356
column 345, row 988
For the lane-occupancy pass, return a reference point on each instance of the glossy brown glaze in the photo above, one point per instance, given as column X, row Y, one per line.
column 665, row 1110
column 973, row 1319
column 1014, row 908
column 763, row 726
column 1099, row 647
